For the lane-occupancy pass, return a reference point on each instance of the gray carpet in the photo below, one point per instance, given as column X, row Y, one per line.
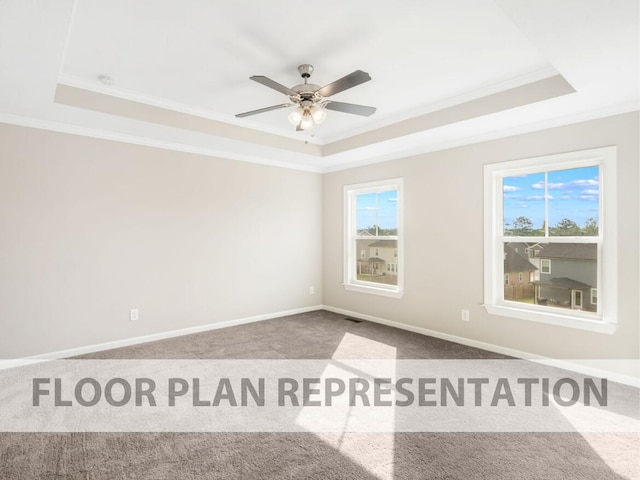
column 501, row 456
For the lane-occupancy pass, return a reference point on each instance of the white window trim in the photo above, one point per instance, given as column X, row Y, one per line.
column 605, row 320
column 591, row 296
column 350, row 282
column 542, row 268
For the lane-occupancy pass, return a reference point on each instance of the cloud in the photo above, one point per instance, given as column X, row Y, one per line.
column 590, row 198
column 510, row 188
column 565, row 197
column 523, row 205
column 550, row 186
column 585, row 183
column 590, row 192
column 538, row 197
column 512, row 195
column 394, row 200
column 581, row 183
column 367, row 208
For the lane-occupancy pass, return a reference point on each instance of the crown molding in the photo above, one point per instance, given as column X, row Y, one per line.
column 483, row 91
column 30, row 122
column 609, row 111
column 146, row 141
column 118, row 92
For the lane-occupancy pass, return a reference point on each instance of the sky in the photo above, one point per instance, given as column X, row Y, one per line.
column 377, row 208
column 573, row 194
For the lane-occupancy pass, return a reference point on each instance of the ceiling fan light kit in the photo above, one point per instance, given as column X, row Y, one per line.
column 311, row 100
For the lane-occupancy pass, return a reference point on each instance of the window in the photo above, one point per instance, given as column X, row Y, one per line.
column 560, row 210
column 520, row 277
column 576, row 298
column 373, row 221
column 545, row 265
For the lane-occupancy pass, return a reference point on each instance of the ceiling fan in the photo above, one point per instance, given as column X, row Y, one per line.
column 311, row 100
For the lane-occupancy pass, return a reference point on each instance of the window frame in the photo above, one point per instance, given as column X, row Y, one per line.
column 350, row 281
column 605, row 319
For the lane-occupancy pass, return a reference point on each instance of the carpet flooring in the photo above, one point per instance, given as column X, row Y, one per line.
column 315, row 335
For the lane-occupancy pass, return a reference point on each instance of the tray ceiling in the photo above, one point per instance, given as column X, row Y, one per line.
column 443, row 72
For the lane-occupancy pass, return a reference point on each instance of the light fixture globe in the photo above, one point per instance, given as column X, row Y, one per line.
column 307, row 121
column 296, row 116
column 318, row 114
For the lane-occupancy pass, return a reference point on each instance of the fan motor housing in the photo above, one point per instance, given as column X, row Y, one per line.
column 306, row 91
column 306, row 88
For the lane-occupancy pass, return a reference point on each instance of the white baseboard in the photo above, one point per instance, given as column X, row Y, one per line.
column 564, row 364
column 72, row 352
column 552, row 362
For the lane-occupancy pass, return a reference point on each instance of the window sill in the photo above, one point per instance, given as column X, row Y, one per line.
column 552, row 318
column 384, row 292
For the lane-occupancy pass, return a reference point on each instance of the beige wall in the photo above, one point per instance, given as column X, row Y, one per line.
column 92, row 228
column 443, row 218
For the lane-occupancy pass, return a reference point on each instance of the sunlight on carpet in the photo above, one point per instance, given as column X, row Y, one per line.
column 378, row 446
column 620, row 452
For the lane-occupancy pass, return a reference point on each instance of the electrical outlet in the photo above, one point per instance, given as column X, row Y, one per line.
column 312, row 290
column 134, row 315
column 465, row 315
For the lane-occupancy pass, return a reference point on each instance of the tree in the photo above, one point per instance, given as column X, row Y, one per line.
column 566, row 228
column 542, row 231
column 376, row 231
column 590, row 227
column 522, row 226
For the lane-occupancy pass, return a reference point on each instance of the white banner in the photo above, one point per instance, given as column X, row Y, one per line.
column 311, row 396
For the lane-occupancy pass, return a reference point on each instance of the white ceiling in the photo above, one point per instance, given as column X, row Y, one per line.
column 196, row 56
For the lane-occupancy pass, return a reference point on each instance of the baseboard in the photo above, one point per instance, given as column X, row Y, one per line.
column 564, row 364
column 552, row 362
column 11, row 363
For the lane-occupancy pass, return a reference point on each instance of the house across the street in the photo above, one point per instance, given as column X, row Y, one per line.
column 567, row 275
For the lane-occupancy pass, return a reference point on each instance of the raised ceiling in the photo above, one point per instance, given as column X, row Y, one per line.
column 444, row 72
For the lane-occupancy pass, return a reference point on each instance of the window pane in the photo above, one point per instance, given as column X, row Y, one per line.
column 380, row 265
column 377, row 213
column 373, row 244
column 560, row 275
column 523, row 205
column 574, row 201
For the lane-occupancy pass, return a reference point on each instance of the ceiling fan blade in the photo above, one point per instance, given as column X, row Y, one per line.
column 267, row 82
column 262, row 110
column 351, row 108
column 351, row 80
column 298, row 128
